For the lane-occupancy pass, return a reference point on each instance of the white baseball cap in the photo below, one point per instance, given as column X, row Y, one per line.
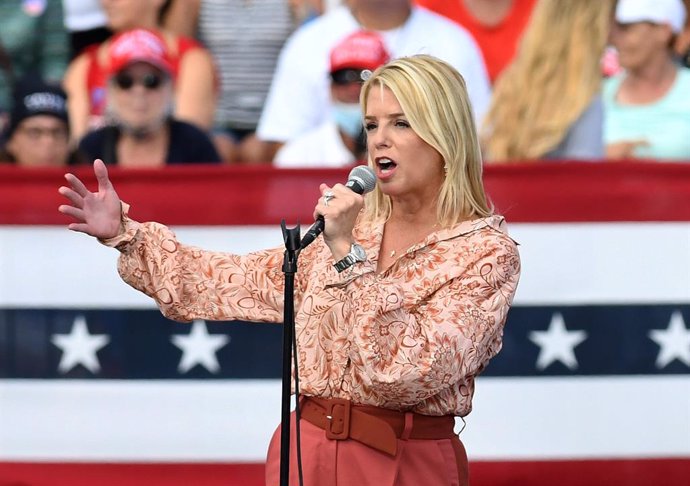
column 670, row 12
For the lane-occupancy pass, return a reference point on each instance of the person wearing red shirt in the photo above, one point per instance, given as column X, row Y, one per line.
column 496, row 25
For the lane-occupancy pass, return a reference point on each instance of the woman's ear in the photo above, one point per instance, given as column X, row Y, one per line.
column 11, row 145
column 666, row 35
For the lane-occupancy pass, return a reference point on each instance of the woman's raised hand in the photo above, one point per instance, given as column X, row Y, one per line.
column 96, row 213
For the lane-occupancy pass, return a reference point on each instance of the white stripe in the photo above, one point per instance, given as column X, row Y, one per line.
column 43, row 267
column 603, row 263
column 232, row 421
column 563, row 264
column 137, row 420
column 580, row 417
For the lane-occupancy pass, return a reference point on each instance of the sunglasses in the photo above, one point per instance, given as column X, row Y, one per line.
column 149, row 81
column 347, row 76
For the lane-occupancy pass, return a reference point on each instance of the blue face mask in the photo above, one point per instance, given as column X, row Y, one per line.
column 348, row 117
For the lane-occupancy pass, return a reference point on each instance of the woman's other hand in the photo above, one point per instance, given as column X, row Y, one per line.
column 97, row 214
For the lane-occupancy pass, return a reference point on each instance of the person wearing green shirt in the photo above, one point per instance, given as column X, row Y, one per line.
column 32, row 39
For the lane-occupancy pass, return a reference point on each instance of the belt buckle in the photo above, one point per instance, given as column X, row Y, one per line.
column 338, row 415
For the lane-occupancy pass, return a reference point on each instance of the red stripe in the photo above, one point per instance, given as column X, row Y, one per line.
column 619, row 472
column 192, row 195
column 90, row 474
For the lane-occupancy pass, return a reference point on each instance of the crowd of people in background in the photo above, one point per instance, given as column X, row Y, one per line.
column 141, row 125
column 146, row 83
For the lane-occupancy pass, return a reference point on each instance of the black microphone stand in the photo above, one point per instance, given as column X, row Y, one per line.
column 291, row 236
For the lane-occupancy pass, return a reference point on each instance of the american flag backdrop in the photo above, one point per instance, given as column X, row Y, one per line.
column 592, row 386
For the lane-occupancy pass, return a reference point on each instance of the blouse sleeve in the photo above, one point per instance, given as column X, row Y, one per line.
column 188, row 283
column 410, row 352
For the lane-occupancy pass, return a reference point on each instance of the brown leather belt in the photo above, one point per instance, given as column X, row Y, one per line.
column 376, row 427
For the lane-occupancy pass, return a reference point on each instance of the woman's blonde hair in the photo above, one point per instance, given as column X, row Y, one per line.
column 433, row 97
column 552, row 80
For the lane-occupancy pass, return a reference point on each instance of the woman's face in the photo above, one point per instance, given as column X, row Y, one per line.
column 140, row 96
column 40, row 141
column 347, row 90
column 406, row 166
column 640, row 42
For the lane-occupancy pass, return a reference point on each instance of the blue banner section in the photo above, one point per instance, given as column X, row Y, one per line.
column 142, row 344
column 595, row 340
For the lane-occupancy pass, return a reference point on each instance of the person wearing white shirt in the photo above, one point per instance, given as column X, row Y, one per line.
column 299, row 96
column 339, row 140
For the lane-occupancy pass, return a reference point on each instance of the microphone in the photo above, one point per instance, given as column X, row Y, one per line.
column 361, row 180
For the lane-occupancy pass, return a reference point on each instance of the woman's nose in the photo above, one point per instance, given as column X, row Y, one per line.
column 380, row 138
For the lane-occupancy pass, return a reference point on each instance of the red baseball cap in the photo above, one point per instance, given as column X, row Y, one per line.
column 360, row 50
column 138, row 45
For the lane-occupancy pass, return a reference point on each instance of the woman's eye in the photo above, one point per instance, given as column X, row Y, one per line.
column 369, row 126
column 402, row 124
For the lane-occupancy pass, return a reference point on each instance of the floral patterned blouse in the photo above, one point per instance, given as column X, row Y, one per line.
column 412, row 337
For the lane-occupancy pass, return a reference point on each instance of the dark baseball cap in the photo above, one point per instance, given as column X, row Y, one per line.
column 33, row 96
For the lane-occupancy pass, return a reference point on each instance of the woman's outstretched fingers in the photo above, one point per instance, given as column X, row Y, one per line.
column 76, row 213
column 76, row 200
column 101, row 175
column 80, row 227
column 94, row 213
column 77, row 185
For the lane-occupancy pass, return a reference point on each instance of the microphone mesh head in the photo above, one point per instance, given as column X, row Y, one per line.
column 363, row 176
